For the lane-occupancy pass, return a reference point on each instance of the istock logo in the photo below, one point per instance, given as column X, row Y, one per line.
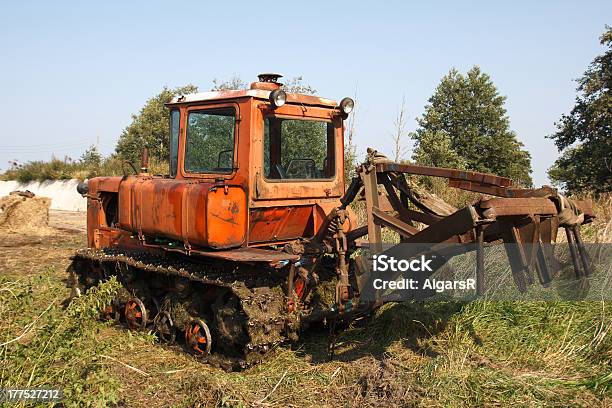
column 383, row 263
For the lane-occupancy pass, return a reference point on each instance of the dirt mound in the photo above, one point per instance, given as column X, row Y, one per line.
column 25, row 213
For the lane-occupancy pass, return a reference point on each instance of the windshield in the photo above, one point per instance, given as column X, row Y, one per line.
column 210, row 141
column 298, row 149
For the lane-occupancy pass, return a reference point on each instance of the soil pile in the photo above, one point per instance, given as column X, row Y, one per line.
column 22, row 212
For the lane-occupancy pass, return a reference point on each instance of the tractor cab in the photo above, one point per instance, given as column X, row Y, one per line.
column 255, row 167
column 285, row 150
column 282, row 143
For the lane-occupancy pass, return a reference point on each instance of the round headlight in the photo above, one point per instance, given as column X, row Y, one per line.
column 278, row 97
column 347, row 105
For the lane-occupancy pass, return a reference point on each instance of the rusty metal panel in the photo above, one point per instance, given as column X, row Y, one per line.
column 480, row 188
column 156, row 201
column 280, row 223
column 226, row 217
column 181, row 210
column 381, row 218
column 125, row 203
column 105, row 237
column 171, row 209
column 458, row 223
column 483, row 178
column 501, row 191
column 370, row 184
column 518, row 206
column 586, row 206
column 93, row 208
column 109, row 184
column 427, row 219
column 296, row 190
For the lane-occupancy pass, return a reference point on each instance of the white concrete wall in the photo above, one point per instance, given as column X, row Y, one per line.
column 63, row 193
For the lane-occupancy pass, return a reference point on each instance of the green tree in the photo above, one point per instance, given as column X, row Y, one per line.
column 465, row 125
column 91, row 157
column 435, row 149
column 584, row 136
column 150, row 127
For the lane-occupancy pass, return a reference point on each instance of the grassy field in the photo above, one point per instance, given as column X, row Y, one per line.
column 410, row 354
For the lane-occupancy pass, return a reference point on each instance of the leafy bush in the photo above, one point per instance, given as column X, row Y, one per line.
column 47, row 346
column 39, row 170
column 57, row 169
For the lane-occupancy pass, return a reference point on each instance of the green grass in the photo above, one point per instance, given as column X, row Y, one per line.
column 445, row 353
column 45, row 345
column 448, row 353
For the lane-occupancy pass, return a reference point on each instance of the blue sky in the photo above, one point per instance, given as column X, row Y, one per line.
column 72, row 74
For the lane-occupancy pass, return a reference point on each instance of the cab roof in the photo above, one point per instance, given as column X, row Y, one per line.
column 251, row 93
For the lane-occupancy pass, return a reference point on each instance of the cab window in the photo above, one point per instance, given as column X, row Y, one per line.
column 210, row 141
column 298, row 149
column 174, row 140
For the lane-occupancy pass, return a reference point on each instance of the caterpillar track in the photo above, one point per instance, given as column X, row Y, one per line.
column 243, row 306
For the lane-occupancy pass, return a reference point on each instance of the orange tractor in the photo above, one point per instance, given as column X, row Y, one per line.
column 251, row 237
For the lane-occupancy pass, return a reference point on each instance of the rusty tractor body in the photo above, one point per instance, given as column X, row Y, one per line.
column 231, row 251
